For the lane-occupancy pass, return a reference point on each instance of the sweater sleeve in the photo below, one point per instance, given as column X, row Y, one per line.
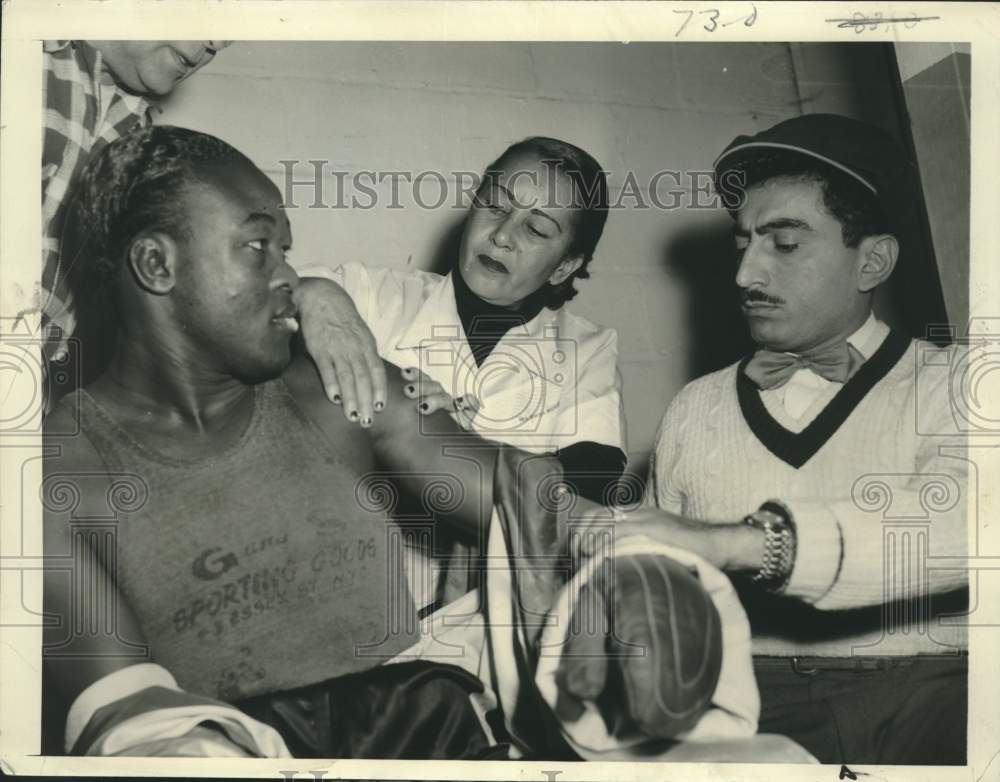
column 662, row 489
column 878, row 543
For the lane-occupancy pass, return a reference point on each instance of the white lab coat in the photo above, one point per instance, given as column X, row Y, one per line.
column 547, row 385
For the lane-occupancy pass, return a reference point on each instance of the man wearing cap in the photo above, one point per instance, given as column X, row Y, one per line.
column 826, row 470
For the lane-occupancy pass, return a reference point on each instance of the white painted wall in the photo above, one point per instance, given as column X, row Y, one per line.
column 449, row 107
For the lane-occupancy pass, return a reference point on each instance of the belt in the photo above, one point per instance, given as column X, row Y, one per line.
column 810, row 666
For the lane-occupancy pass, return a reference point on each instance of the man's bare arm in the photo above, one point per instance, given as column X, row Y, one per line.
column 422, row 450
column 78, row 590
column 419, row 452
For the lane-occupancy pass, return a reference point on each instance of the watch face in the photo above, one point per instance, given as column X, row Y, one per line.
column 762, row 520
column 768, row 518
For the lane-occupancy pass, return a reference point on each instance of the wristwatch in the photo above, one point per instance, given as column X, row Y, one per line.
column 779, row 545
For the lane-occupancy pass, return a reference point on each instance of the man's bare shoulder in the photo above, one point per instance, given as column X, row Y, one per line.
column 303, row 381
column 399, row 417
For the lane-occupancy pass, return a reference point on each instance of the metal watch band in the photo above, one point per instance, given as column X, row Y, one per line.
column 779, row 545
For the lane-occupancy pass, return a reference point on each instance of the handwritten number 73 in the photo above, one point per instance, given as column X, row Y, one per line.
column 713, row 15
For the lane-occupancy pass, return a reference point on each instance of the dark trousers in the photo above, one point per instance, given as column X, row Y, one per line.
column 410, row 710
column 911, row 710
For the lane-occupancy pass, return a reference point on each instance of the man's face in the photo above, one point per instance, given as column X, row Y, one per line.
column 518, row 232
column 798, row 282
column 233, row 296
column 155, row 67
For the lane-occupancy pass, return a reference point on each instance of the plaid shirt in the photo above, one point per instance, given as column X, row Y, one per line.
column 84, row 110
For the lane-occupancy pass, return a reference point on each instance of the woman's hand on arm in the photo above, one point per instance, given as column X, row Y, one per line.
column 431, row 396
column 343, row 348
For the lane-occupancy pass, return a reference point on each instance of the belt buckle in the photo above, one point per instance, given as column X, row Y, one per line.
column 847, row 664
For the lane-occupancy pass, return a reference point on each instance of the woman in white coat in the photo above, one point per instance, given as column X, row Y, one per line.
column 493, row 337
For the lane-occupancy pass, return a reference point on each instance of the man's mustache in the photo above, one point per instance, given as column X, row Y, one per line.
column 758, row 296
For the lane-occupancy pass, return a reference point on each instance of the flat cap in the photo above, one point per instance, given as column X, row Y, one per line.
column 863, row 151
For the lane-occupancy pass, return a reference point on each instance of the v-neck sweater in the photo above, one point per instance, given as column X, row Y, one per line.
column 877, row 485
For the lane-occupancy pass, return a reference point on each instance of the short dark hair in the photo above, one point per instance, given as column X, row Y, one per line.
column 590, row 195
column 853, row 205
column 136, row 183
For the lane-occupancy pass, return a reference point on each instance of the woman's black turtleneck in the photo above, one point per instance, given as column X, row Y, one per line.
column 485, row 324
column 592, row 468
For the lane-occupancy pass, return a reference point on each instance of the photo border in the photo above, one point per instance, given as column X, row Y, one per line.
column 27, row 22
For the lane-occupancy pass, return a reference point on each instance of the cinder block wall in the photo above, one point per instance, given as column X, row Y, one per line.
column 662, row 278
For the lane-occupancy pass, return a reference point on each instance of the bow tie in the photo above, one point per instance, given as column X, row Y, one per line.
column 768, row 369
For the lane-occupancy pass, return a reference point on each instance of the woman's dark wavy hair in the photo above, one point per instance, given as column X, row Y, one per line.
column 853, row 205
column 590, row 196
column 134, row 184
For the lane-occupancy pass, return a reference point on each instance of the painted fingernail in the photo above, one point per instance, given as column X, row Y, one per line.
column 411, row 389
column 366, row 422
column 336, row 399
column 408, row 372
column 379, row 407
column 424, row 407
column 353, row 415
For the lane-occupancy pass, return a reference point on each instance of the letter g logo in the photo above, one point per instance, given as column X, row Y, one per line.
column 209, row 569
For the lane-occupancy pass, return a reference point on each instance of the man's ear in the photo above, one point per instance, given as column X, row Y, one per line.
column 878, row 259
column 566, row 268
column 152, row 260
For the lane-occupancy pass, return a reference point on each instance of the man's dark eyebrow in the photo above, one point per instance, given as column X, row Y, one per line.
column 783, row 223
column 257, row 217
